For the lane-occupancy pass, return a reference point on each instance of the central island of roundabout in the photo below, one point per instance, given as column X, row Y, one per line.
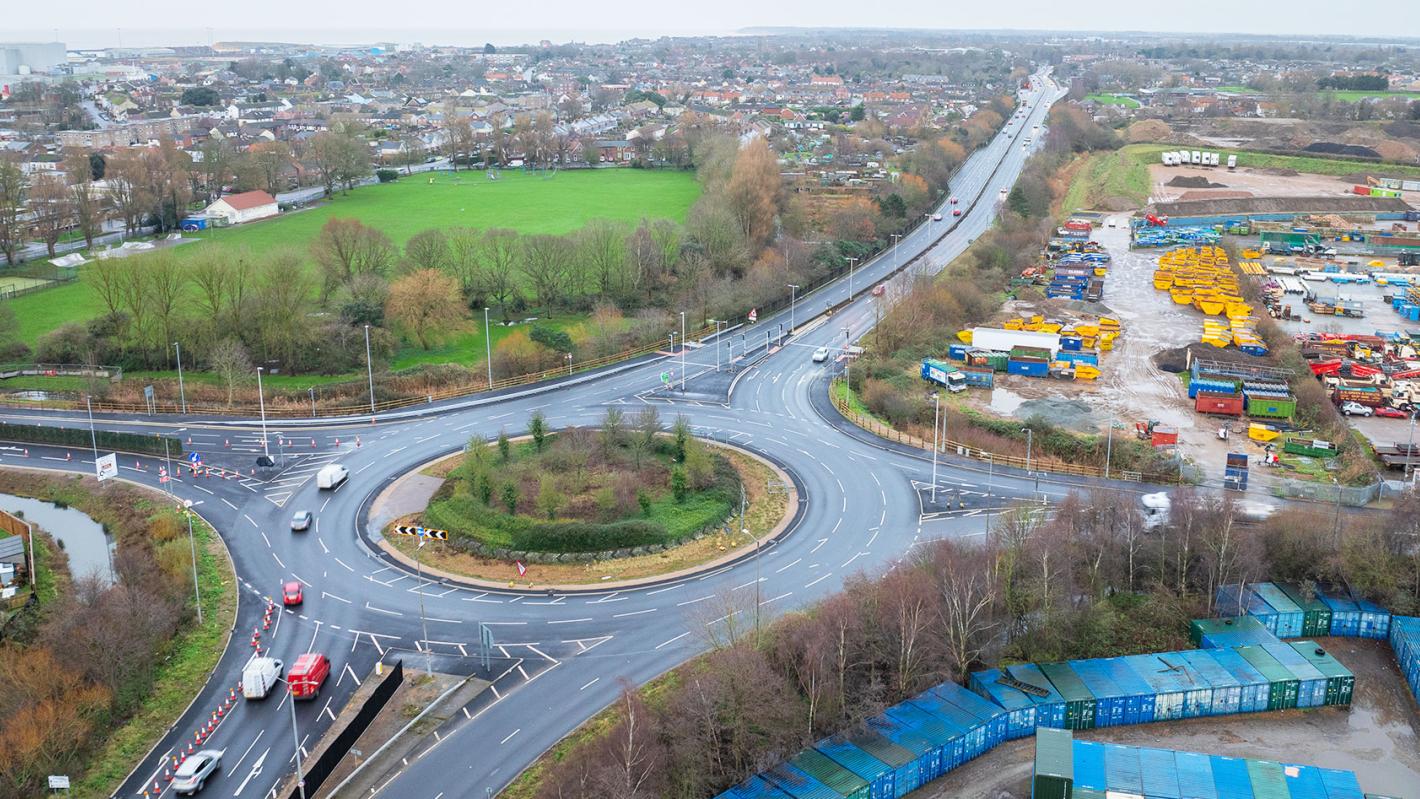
column 629, row 502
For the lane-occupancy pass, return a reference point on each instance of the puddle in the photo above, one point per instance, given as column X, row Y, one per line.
column 1005, row 402
column 90, row 550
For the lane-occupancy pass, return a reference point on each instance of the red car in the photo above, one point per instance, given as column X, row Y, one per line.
column 956, row 212
column 1392, row 413
column 291, row 594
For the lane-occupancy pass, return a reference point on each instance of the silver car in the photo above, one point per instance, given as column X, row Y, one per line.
column 195, row 770
column 301, row 521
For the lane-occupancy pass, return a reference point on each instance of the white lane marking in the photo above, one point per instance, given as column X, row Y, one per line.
column 255, row 771
column 278, row 561
column 568, row 621
column 248, row 518
column 673, row 640
column 368, row 606
column 229, row 504
column 352, row 675
column 510, row 736
column 693, row 601
column 819, row 580
column 325, row 594
column 237, row 764
column 342, row 563
column 633, row 613
column 594, row 681
column 774, row 599
column 786, row 566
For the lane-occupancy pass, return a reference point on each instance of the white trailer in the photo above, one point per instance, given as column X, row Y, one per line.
column 999, row 340
column 1196, row 157
column 1232, row 162
column 1216, row 159
column 1167, row 158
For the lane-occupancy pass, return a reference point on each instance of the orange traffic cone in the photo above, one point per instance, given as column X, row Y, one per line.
column 313, row 443
column 227, row 442
column 357, row 442
column 167, row 775
column 27, row 453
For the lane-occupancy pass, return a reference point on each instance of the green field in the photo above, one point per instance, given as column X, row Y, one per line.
column 517, row 200
column 1113, row 99
column 1149, row 153
column 1352, row 96
column 1105, row 175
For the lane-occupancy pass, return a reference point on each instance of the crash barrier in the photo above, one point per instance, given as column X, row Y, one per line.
column 316, row 771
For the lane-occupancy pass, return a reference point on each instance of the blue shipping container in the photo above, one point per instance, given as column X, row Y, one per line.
column 796, row 783
column 988, row 712
column 1253, row 686
column 1028, row 368
column 879, row 776
column 754, row 788
column 1109, row 699
column 1050, row 708
column 1020, row 710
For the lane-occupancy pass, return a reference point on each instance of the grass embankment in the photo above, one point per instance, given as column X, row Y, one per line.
column 581, row 491
column 181, row 665
column 1113, row 99
column 187, row 663
column 1338, row 167
column 518, row 201
column 1105, row 179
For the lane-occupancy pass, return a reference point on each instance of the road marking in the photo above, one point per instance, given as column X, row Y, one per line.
column 673, row 640
column 594, row 681
column 255, row 771
column 368, row 606
column 229, row 504
column 325, row 594
column 819, row 580
column 774, row 599
column 820, row 543
column 693, row 601
column 633, row 613
column 278, row 561
column 786, row 566
column 237, row 764
column 663, row 590
column 342, row 563
column 568, row 621
column 510, row 736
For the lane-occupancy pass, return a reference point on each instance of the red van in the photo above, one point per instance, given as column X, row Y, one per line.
column 308, row 675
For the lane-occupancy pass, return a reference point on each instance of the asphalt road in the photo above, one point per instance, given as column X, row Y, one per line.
column 559, row 658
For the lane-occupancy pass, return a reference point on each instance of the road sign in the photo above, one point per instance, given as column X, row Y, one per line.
column 107, row 466
column 422, row 532
column 522, row 570
column 193, row 457
column 148, row 393
column 58, row 782
column 753, row 315
column 666, row 378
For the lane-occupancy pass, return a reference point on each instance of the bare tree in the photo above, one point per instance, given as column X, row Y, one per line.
column 499, row 257
column 631, row 755
column 968, row 599
column 229, row 361
column 544, row 262
column 425, row 303
column 52, row 208
column 345, row 248
column 12, row 200
column 125, row 176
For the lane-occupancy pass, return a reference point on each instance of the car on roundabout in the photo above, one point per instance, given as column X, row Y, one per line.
column 820, row 354
column 301, row 521
column 291, row 594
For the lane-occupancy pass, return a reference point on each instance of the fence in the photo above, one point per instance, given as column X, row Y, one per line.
column 1039, row 464
column 319, row 769
column 1354, row 496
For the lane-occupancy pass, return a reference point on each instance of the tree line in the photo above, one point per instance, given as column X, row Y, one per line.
column 1088, row 581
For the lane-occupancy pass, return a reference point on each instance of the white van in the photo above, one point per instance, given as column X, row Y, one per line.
column 331, row 475
column 259, row 675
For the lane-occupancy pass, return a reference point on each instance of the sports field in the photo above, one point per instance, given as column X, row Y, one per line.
column 1113, row 99
column 525, row 202
column 9, row 283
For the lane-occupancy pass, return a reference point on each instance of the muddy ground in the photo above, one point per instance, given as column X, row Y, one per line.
column 1378, row 738
column 1250, row 182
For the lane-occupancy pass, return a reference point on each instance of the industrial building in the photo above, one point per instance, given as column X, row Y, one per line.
column 31, row 58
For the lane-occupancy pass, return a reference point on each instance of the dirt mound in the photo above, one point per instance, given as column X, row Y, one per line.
column 1281, row 172
column 1148, row 130
column 1213, row 194
column 1177, row 359
column 1278, row 205
column 1336, row 148
column 1194, row 182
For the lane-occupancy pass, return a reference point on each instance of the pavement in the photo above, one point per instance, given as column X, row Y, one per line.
column 861, row 512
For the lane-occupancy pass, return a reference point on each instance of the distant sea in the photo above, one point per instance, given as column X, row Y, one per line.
column 80, row 39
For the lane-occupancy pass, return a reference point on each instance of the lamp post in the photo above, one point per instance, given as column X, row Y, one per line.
column 851, row 262
column 793, row 295
column 312, row 391
column 192, row 546
column 93, row 436
column 488, row 347
column 896, row 237
column 1410, row 448
column 261, row 399
column 717, row 323
column 182, row 390
column 295, row 738
column 369, row 369
column 936, row 441
column 847, row 360
column 1109, row 445
column 682, row 352
column 1030, row 441
column 1336, row 522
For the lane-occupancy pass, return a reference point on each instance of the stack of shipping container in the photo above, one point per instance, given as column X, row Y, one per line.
column 1066, row 768
column 1244, row 666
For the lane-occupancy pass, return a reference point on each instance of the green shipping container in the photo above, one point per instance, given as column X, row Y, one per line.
column 1268, row 781
column 1282, row 685
column 1316, row 616
column 1228, row 624
column 1299, row 446
column 1054, row 776
column 1271, row 407
column 1079, row 702
column 822, row 768
column 1340, row 682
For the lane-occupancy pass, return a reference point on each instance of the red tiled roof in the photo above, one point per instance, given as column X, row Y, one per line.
column 248, row 199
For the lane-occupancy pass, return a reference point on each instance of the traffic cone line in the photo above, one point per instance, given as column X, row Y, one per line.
column 167, row 775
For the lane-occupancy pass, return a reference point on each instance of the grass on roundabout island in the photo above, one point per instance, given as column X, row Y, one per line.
column 764, row 510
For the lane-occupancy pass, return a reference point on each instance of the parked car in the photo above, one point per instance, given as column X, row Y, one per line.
column 291, row 594
column 1355, row 409
column 301, row 521
column 1392, row 413
column 195, row 770
column 820, row 354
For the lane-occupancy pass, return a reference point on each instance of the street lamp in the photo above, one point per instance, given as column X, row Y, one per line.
column 369, row 369
column 1109, row 445
column 896, row 237
column 191, row 545
column 295, row 737
column 261, row 398
column 936, row 441
column 182, row 390
column 1030, row 440
column 1410, row 448
column 717, row 323
column 1336, row 522
column 847, row 360
column 488, row 347
column 851, row 262
column 793, row 295
column 682, row 352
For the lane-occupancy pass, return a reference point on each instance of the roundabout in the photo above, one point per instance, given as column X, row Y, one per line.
column 855, row 508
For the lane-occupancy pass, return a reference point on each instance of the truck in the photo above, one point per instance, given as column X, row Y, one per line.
column 943, row 374
column 258, row 677
column 1232, row 162
column 331, row 476
column 1155, row 508
column 1370, row 396
column 307, row 675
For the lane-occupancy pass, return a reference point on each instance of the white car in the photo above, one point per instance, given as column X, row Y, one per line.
column 194, row 771
column 936, row 217
column 820, row 354
column 1355, row 409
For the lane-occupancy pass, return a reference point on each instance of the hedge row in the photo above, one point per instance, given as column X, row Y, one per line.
column 453, row 513
column 78, row 437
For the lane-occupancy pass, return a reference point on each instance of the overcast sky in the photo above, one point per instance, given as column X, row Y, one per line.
column 90, row 23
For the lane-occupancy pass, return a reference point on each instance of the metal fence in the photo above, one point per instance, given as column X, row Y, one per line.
column 1354, row 496
column 319, row 769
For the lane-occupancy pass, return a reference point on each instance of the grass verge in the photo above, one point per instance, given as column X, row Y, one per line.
column 1100, row 178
